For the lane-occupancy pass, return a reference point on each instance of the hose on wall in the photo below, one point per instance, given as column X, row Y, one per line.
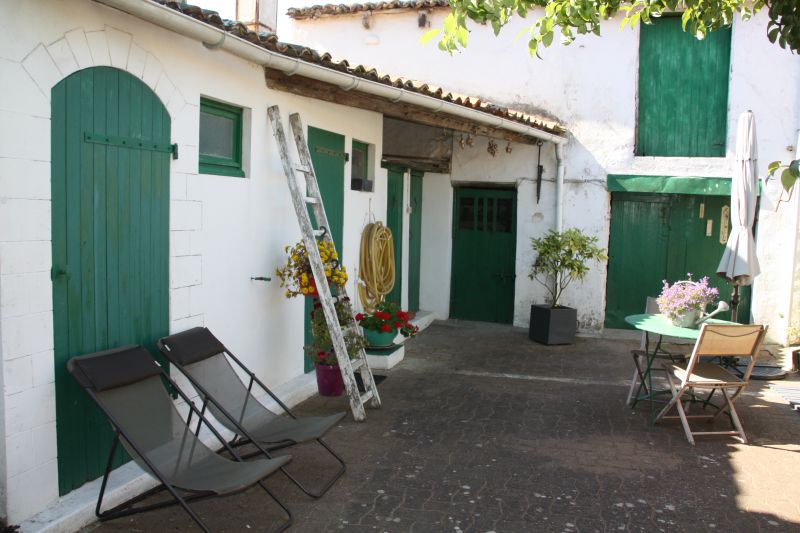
column 376, row 265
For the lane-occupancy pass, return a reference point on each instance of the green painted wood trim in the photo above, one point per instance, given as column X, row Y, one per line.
column 223, row 166
column 671, row 185
column 682, row 91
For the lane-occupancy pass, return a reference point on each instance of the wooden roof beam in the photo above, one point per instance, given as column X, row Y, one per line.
column 331, row 93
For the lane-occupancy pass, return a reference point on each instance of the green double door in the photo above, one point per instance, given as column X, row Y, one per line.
column 394, row 221
column 110, row 228
column 328, row 157
column 484, row 254
column 664, row 236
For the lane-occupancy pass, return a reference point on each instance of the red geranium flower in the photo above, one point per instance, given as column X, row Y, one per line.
column 398, row 325
column 359, row 317
column 386, row 328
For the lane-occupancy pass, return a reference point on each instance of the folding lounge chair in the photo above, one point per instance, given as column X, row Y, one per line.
column 207, row 364
column 126, row 383
column 715, row 340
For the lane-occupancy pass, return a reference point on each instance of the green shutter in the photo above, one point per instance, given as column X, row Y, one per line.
column 683, row 91
column 414, row 240
column 110, row 208
column 328, row 157
column 394, row 221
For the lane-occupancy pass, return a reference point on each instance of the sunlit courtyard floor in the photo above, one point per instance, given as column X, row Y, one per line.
column 483, row 430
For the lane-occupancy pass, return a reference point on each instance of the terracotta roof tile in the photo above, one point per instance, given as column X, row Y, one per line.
column 316, row 11
column 269, row 41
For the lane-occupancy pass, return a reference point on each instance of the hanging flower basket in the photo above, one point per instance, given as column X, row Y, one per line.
column 296, row 276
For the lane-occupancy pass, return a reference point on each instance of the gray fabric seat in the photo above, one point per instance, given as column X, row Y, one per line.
column 126, row 383
column 206, row 362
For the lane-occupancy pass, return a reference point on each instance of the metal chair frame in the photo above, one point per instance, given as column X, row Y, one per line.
column 126, row 508
column 244, row 437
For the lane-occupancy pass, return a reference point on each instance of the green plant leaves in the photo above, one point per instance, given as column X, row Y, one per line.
column 578, row 17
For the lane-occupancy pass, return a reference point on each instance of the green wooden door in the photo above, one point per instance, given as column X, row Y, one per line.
column 663, row 236
column 414, row 240
column 394, row 221
column 683, row 91
column 484, row 252
column 110, row 208
column 328, row 157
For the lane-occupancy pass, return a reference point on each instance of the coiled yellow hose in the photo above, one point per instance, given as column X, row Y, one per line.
column 376, row 265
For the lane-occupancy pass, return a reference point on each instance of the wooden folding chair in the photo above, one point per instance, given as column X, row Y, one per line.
column 715, row 340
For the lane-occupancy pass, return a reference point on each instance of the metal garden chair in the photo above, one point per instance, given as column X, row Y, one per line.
column 128, row 386
column 206, row 362
column 668, row 348
column 715, row 340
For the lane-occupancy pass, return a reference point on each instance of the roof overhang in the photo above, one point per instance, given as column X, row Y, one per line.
column 283, row 72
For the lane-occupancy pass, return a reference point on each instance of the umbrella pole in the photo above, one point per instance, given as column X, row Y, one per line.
column 734, row 303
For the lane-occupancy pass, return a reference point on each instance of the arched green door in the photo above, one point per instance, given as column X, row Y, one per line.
column 110, row 206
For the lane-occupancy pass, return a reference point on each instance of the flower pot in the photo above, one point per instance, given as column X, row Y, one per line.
column 553, row 325
column 379, row 339
column 329, row 380
column 688, row 319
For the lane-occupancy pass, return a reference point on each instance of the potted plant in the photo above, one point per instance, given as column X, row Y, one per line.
column 296, row 275
column 684, row 301
column 560, row 259
column 382, row 324
column 321, row 352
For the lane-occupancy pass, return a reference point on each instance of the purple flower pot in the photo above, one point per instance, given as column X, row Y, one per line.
column 329, row 380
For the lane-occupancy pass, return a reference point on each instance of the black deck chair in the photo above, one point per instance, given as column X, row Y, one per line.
column 206, row 362
column 126, row 383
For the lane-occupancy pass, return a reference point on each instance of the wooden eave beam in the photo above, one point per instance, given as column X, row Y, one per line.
column 331, row 93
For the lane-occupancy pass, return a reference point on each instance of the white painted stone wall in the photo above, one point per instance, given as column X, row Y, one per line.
column 590, row 86
column 222, row 230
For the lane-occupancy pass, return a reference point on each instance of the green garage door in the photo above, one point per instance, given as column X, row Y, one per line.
column 110, row 216
column 484, row 252
column 663, row 236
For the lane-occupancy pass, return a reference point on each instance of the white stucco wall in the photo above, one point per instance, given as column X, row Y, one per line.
column 590, row 86
column 222, row 230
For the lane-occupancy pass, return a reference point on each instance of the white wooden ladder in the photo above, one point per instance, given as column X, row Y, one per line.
column 313, row 198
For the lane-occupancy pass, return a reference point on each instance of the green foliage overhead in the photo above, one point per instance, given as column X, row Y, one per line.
column 567, row 19
column 562, row 258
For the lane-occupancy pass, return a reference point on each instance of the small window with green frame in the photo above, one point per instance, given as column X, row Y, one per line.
column 359, row 167
column 220, row 139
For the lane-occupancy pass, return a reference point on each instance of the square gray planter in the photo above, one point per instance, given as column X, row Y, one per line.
column 553, row 325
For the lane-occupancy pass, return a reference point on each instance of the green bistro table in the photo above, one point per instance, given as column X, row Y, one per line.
column 657, row 324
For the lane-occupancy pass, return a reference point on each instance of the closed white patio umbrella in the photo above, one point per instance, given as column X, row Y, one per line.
column 739, row 264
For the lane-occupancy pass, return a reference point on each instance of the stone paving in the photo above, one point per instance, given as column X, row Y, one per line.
column 482, row 430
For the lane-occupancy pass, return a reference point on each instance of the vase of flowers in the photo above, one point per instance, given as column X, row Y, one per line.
column 321, row 351
column 296, row 275
column 684, row 301
column 383, row 323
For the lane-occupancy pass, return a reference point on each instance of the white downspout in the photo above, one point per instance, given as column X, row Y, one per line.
column 560, row 187
column 214, row 38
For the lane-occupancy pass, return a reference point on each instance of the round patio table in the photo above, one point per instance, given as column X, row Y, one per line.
column 662, row 326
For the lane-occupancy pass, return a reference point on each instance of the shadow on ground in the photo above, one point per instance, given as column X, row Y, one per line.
column 482, row 430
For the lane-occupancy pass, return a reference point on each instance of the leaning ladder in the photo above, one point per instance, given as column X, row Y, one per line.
column 313, row 198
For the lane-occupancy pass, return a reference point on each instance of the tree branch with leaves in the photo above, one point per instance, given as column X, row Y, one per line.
column 568, row 19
